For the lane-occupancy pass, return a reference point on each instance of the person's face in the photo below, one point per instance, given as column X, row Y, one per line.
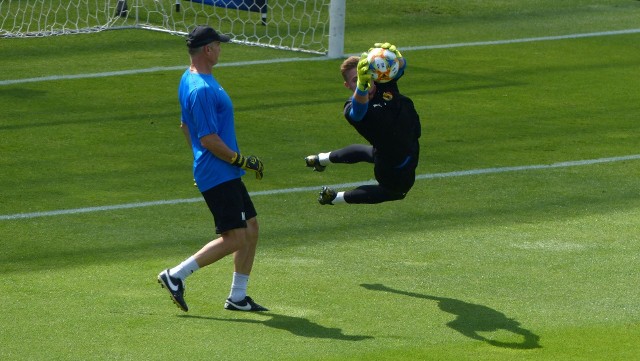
column 352, row 79
column 352, row 82
column 212, row 51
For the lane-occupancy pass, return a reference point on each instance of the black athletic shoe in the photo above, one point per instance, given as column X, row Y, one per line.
column 245, row 305
column 314, row 162
column 175, row 286
column 327, row 195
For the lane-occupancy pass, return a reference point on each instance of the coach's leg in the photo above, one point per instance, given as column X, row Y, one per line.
column 230, row 242
column 243, row 262
column 243, row 257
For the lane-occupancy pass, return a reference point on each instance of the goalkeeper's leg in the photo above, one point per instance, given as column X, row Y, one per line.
column 371, row 194
column 393, row 184
column 350, row 154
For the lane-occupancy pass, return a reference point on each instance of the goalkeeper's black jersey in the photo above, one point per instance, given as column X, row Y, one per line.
column 391, row 124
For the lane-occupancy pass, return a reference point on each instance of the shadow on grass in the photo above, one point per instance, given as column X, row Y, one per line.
column 296, row 325
column 472, row 318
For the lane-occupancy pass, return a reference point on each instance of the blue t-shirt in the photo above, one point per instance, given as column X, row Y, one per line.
column 207, row 109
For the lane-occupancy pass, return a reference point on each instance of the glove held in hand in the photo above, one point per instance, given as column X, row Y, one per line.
column 248, row 163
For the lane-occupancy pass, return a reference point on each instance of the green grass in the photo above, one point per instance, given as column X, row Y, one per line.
column 538, row 264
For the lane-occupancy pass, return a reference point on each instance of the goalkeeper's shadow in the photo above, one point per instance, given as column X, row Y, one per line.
column 296, row 325
column 473, row 318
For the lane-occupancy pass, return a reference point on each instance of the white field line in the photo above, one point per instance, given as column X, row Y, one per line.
column 296, row 59
column 313, row 189
column 525, row 40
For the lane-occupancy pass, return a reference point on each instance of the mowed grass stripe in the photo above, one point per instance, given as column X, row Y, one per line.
column 308, row 189
column 298, row 59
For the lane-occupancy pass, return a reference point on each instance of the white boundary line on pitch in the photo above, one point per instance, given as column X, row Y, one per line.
column 525, row 40
column 287, row 60
column 309, row 189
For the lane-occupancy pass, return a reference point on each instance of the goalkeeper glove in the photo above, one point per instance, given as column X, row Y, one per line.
column 364, row 76
column 249, row 163
column 390, row 47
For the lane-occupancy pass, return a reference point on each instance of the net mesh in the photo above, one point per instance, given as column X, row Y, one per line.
column 301, row 25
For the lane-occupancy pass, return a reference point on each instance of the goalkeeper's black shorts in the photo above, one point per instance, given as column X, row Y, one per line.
column 397, row 178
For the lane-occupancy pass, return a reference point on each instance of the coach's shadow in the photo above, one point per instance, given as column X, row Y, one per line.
column 472, row 318
column 296, row 325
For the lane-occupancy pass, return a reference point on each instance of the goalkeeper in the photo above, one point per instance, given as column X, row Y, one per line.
column 391, row 125
column 208, row 125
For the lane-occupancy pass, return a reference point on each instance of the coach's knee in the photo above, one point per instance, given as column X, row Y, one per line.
column 236, row 239
column 252, row 231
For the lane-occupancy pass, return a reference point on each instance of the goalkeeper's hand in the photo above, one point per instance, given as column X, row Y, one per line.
column 249, row 163
column 364, row 76
column 390, row 47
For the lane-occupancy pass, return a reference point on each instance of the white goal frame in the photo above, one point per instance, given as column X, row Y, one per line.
column 311, row 26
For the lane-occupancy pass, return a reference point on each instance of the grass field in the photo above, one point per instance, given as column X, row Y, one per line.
column 519, row 241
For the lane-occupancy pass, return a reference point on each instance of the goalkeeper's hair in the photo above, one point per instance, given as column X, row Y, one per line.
column 348, row 64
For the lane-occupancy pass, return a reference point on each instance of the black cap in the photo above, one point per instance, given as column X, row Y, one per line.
column 203, row 35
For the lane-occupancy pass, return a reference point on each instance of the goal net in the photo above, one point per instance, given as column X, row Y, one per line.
column 300, row 25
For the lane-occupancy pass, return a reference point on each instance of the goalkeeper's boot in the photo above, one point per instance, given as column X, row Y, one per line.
column 327, row 195
column 247, row 304
column 175, row 286
column 313, row 161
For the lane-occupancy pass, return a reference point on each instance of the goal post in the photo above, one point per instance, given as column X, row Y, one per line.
column 313, row 26
column 337, row 11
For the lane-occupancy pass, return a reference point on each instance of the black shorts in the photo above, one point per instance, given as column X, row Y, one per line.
column 397, row 179
column 230, row 205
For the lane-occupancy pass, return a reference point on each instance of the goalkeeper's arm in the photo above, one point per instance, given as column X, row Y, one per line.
column 360, row 99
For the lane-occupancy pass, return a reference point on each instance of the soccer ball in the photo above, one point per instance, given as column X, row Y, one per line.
column 383, row 65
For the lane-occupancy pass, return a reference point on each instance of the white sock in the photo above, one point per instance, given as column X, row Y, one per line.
column 323, row 158
column 339, row 198
column 239, row 287
column 185, row 269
